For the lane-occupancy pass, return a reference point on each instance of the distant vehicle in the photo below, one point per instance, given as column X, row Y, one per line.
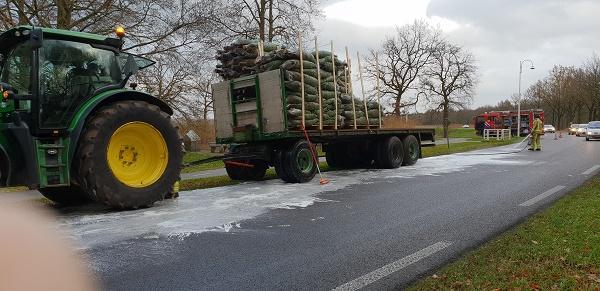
column 573, row 128
column 507, row 120
column 593, row 130
column 549, row 128
column 465, row 126
column 581, row 130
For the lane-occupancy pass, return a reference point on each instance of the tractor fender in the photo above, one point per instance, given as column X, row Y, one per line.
column 104, row 99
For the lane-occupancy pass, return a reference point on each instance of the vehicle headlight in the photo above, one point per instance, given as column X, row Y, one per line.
column 589, row 132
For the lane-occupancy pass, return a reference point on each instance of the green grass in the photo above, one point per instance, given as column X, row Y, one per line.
column 457, row 133
column 464, row 147
column 194, row 156
column 12, row 189
column 558, row 248
column 218, row 181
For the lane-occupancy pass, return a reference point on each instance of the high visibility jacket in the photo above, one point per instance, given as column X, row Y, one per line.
column 538, row 126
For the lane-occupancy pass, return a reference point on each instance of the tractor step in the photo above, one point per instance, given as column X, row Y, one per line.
column 53, row 162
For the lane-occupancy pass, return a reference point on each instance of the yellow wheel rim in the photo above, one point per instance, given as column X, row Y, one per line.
column 137, row 154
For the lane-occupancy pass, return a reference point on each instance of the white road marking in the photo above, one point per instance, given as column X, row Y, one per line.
column 540, row 197
column 591, row 170
column 393, row 267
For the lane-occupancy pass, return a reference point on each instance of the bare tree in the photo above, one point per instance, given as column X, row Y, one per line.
column 153, row 26
column 450, row 80
column 402, row 59
column 268, row 20
column 591, row 84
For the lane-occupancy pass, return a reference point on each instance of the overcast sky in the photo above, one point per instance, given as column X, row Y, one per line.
column 499, row 33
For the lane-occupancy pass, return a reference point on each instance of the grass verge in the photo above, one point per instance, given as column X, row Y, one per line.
column 218, row 181
column 465, row 147
column 558, row 248
column 194, row 156
column 457, row 133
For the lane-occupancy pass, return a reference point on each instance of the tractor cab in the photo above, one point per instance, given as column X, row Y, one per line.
column 48, row 74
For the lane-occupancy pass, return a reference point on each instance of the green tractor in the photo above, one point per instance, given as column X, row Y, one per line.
column 70, row 128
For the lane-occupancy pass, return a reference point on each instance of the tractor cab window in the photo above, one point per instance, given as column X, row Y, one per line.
column 16, row 69
column 70, row 72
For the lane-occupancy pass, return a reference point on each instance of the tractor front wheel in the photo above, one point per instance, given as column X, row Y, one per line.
column 129, row 155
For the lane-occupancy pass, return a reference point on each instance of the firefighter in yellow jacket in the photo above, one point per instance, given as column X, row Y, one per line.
column 536, row 131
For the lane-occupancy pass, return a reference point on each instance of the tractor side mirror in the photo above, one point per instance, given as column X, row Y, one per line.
column 36, row 38
column 131, row 67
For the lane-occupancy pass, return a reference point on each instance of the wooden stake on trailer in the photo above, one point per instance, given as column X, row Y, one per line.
column 378, row 90
column 349, row 87
column 319, row 85
column 335, row 124
column 362, row 86
column 301, row 76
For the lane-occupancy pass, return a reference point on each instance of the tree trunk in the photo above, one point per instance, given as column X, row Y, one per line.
column 21, row 12
column 397, row 106
column 261, row 20
column 271, row 21
column 445, row 121
column 64, row 13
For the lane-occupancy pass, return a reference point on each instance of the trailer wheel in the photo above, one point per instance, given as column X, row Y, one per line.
column 412, row 150
column 70, row 195
column 299, row 163
column 390, row 153
column 129, row 155
column 255, row 173
column 280, row 168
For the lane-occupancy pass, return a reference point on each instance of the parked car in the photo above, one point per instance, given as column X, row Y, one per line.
column 549, row 128
column 593, row 130
column 573, row 128
column 465, row 126
column 581, row 130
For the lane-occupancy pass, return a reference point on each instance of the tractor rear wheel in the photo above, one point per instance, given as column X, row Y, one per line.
column 129, row 155
column 70, row 195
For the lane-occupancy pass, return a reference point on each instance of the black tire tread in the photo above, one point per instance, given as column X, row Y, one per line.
column 87, row 163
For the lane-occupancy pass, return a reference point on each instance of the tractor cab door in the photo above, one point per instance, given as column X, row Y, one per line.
column 69, row 74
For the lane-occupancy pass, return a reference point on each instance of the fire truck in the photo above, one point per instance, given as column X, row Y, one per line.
column 506, row 120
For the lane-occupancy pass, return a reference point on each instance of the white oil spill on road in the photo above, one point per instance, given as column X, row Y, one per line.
column 224, row 208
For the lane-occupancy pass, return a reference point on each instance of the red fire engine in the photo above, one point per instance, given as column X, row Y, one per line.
column 507, row 119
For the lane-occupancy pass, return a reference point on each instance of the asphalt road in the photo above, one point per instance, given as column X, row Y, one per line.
column 371, row 229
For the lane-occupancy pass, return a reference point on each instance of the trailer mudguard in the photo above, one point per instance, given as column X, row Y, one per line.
column 101, row 100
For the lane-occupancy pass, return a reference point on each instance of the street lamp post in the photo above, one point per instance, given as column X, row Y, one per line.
column 519, row 104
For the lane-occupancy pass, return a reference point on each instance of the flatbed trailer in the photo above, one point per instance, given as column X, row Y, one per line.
column 251, row 117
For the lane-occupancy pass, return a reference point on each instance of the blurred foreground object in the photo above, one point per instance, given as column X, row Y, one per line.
column 34, row 256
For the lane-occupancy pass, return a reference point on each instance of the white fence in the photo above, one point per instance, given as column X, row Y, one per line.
column 499, row 134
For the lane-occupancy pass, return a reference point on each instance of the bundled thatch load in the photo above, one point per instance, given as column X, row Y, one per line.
column 358, row 111
column 239, row 59
column 243, row 58
column 290, row 63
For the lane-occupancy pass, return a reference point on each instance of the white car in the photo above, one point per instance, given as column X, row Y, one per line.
column 549, row 128
column 581, row 130
column 465, row 126
column 593, row 130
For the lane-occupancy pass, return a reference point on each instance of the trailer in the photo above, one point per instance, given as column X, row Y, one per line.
column 251, row 118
